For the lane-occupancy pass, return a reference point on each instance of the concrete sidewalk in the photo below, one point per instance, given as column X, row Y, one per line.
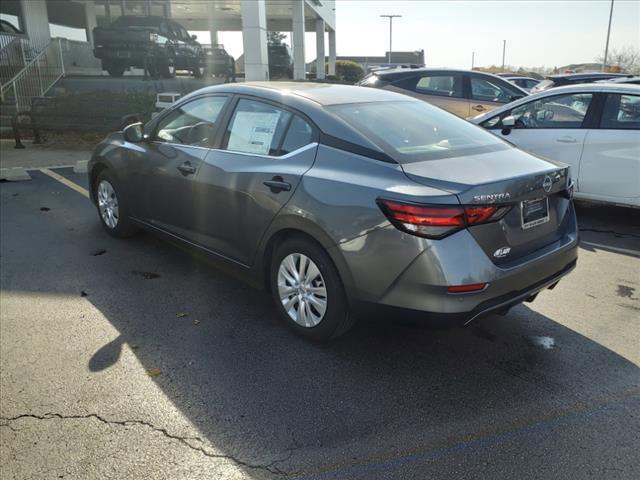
column 15, row 163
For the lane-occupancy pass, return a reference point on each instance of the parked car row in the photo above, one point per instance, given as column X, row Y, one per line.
column 593, row 126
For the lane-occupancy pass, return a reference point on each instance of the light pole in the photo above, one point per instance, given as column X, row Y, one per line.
column 504, row 48
column 390, row 17
column 473, row 57
column 606, row 48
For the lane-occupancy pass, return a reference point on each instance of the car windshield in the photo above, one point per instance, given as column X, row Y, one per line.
column 415, row 131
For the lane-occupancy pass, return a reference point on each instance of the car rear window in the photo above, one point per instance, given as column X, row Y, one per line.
column 414, row 131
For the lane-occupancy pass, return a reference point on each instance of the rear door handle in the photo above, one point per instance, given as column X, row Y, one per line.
column 276, row 184
column 187, row 169
column 478, row 108
column 566, row 139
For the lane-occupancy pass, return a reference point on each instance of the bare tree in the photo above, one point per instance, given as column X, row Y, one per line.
column 626, row 58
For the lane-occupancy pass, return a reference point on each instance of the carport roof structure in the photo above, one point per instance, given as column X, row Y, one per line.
column 253, row 17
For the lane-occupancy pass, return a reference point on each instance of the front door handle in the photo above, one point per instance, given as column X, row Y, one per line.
column 187, row 169
column 566, row 139
column 277, row 184
column 478, row 108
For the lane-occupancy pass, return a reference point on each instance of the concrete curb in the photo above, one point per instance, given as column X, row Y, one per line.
column 15, row 174
column 80, row 166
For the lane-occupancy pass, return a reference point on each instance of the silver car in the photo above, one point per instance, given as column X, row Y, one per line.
column 343, row 200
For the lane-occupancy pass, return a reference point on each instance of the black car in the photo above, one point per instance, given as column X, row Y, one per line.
column 280, row 61
column 220, row 63
column 552, row 81
column 159, row 45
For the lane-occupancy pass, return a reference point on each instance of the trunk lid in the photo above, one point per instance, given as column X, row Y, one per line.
column 528, row 184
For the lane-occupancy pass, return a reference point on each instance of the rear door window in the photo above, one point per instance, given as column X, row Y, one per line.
column 257, row 128
column 299, row 134
column 621, row 112
column 440, row 85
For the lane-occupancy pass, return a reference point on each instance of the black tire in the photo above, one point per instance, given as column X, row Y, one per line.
column 337, row 319
column 124, row 227
column 199, row 71
column 166, row 68
column 116, row 71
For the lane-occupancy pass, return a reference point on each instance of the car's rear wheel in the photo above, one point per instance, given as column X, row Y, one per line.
column 307, row 290
column 111, row 209
column 199, row 71
column 166, row 68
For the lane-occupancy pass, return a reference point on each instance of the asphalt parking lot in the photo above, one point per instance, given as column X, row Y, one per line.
column 137, row 359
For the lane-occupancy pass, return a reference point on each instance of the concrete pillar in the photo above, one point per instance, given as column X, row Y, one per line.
column 213, row 35
column 254, row 39
column 320, row 75
column 297, row 40
column 35, row 22
column 332, row 52
column 90, row 20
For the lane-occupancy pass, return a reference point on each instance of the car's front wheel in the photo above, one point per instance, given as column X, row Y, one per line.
column 111, row 209
column 307, row 290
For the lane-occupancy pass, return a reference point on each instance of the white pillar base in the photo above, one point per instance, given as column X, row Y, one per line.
column 254, row 39
column 320, row 67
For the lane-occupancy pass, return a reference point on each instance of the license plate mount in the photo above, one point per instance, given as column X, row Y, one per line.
column 534, row 212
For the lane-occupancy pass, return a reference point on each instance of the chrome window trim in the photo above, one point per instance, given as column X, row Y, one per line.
column 308, row 146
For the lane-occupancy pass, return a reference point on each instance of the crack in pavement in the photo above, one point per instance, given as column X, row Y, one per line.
column 184, row 440
column 613, row 232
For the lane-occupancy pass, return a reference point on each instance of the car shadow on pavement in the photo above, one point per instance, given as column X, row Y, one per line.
column 258, row 392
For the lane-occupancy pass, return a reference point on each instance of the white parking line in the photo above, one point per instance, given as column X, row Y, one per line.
column 64, row 181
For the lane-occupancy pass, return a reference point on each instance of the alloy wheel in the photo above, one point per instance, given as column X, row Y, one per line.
column 302, row 290
column 108, row 204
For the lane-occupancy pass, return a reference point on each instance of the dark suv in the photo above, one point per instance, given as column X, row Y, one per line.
column 465, row 93
column 157, row 44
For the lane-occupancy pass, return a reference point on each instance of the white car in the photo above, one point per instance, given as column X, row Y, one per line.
column 593, row 127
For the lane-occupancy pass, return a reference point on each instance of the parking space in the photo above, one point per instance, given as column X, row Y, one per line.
column 138, row 359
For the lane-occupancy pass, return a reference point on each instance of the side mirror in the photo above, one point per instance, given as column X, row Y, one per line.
column 194, row 37
column 509, row 122
column 133, row 133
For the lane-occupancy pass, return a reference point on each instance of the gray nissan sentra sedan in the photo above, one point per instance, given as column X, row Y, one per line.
column 339, row 198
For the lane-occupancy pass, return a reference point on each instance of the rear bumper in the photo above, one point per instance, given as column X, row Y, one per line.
column 432, row 266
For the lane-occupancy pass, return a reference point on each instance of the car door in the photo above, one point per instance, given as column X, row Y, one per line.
column 243, row 185
column 164, row 170
column 443, row 89
column 610, row 164
column 550, row 127
column 486, row 93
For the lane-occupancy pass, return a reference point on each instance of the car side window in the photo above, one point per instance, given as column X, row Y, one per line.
column 559, row 111
column 440, row 85
column 256, row 127
column 490, row 90
column 621, row 112
column 299, row 134
column 193, row 123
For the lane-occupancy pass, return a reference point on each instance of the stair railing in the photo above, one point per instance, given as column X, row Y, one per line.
column 37, row 76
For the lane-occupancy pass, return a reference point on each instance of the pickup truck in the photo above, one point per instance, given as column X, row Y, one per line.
column 159, row 45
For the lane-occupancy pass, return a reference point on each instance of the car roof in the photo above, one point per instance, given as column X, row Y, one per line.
column 575, row 88
column 586, row 75
column 310, row 99
column 518, row 77
column 410, row 71
column 323, row 94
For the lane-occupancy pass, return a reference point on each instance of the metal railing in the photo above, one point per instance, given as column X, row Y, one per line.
column 36, row 78
column 12, row 56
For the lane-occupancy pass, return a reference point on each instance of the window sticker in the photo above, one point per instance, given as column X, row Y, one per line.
column 253, row 132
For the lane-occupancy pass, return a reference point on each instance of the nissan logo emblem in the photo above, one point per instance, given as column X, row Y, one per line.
column 547, row 183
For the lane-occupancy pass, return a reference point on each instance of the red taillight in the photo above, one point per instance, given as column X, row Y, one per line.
column 437, row 221
column 473, row 287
